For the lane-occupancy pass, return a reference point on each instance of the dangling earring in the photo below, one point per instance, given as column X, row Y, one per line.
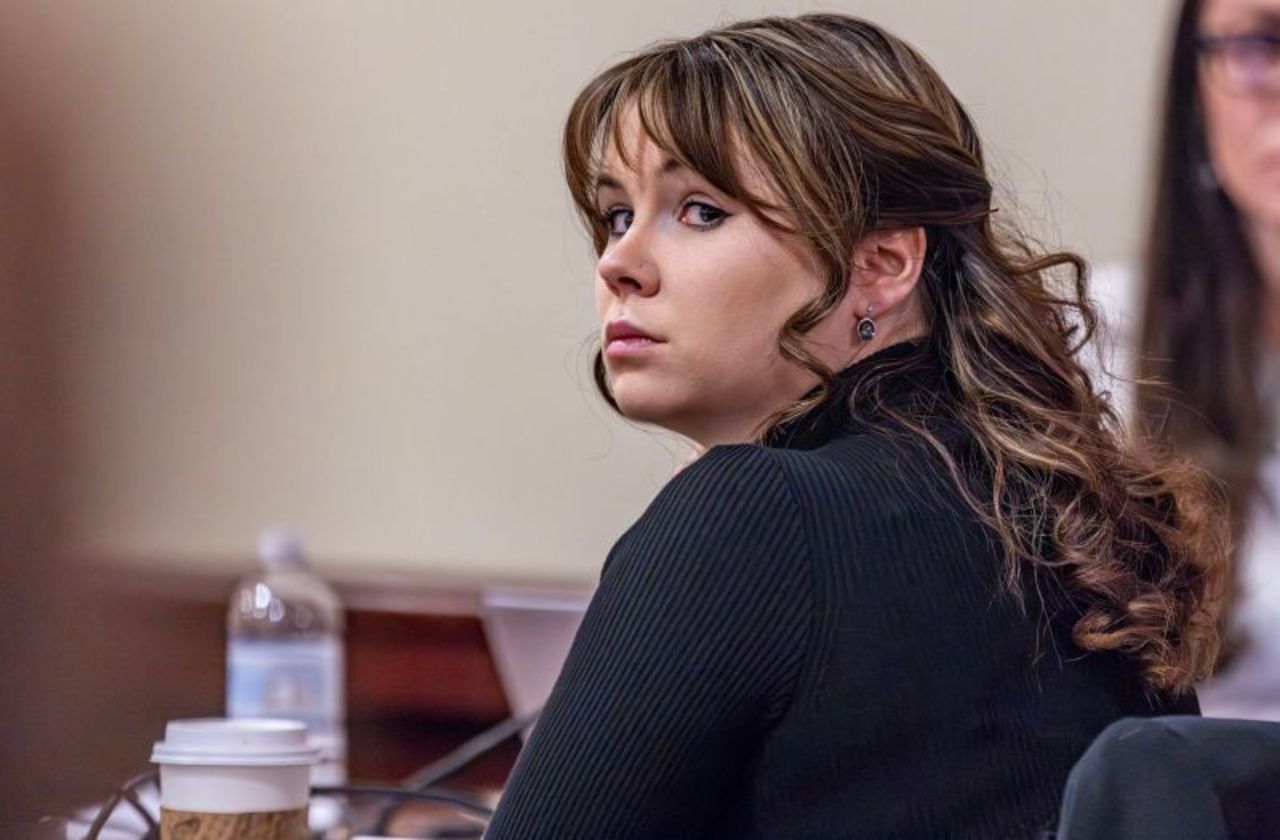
column 866, row 326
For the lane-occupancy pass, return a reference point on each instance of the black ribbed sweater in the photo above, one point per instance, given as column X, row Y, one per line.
column 814, row 640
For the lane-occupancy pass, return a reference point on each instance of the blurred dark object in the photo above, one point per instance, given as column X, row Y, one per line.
column 32, row 218
column 1176, row 777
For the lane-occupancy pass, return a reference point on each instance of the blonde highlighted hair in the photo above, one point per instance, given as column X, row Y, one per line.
column 855, row 131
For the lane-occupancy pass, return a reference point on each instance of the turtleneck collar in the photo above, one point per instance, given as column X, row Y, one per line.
column 906, row 377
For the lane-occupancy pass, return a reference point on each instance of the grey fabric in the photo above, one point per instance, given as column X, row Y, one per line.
column 1177, row 776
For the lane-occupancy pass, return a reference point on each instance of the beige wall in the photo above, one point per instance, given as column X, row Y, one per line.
column 325, row 272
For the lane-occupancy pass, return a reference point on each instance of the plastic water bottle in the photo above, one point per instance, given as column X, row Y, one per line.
column 284, row 651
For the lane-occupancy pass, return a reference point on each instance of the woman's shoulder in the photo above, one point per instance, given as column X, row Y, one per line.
column 729, row 523
column 726, row 479
column 734, row 506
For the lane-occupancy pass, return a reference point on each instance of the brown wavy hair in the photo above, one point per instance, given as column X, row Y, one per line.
column 1201, row 344
column 855, row 131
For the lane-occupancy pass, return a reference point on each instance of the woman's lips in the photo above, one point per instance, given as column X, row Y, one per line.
column 624, row 339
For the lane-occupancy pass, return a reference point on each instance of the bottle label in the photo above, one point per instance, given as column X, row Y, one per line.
column 290, row 678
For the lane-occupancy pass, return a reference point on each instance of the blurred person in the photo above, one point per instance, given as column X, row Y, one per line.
column 30, row 704
column 1207, row 338
column 59, row 627
column 917, row 569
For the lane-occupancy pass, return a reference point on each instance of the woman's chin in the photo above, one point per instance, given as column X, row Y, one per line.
column 642, row 411
column 643, row 402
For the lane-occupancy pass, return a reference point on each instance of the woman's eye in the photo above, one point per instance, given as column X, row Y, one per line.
column 1259, row 43
column 617, row 220
column 700, row 214
column 1253, row 51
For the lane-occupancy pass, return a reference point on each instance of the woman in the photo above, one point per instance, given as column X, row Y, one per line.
column 915, row 572
column 1210, row 330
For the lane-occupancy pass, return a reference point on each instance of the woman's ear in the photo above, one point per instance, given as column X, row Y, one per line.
column 881, row 301
column 879, row 307
column 886, row 266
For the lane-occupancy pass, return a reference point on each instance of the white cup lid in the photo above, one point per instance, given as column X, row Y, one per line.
column 235, row 742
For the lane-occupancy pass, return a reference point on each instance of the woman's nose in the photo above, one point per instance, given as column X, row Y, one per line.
column 628, row 268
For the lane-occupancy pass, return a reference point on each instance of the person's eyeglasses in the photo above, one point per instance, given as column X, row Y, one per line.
column 1245, row 64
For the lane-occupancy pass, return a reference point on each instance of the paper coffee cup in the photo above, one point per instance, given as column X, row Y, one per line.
column 247, row 776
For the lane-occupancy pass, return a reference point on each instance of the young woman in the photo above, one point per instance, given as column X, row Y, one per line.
column 916, row 571
column 1210, row 332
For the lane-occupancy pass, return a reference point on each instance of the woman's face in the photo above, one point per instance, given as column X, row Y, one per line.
column 1240, row 89
column 692, row 291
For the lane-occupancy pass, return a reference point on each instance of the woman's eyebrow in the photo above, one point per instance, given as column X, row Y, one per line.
column 606, row 181
column 1252, row 17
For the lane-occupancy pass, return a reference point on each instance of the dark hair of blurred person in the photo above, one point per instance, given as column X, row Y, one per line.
column 1210, row 337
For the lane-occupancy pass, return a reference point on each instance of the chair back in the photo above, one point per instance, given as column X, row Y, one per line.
column 1177, row 776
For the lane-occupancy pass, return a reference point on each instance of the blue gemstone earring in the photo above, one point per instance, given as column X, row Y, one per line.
column 866, row 326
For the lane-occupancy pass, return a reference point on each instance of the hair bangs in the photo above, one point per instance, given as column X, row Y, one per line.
column 684, row 99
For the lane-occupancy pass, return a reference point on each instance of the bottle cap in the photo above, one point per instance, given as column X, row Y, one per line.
column 281, row 549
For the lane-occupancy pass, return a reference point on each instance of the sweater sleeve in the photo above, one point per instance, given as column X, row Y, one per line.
column 688, row 653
